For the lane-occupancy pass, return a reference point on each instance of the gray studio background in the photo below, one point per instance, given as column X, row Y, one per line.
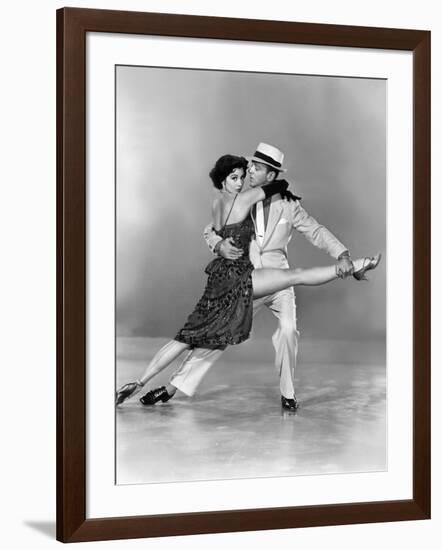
column 173, row 124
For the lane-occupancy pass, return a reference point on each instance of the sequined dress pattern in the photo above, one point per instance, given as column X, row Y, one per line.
column 223, row 314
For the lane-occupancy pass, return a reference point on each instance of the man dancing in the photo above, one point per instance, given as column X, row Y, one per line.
column 275, row 220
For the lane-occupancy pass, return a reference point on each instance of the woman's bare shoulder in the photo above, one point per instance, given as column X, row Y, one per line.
column 217, row 204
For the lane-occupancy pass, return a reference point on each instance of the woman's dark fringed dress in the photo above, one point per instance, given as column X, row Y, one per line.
column 223, row 315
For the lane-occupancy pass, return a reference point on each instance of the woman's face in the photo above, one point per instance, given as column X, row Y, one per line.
column 234, row 181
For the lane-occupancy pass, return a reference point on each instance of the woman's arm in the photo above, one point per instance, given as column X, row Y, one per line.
column 216, row 215
column 250, row 197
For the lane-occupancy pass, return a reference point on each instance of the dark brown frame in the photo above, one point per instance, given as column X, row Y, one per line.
column 72, row 25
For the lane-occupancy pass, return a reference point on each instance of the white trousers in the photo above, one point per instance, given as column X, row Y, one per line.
column 285, row 341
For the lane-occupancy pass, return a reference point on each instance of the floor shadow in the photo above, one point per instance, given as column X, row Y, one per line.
column 211, row 393
column 321, row 399
column 45, row 527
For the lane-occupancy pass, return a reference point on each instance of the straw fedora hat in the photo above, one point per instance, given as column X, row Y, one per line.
column 269, row 155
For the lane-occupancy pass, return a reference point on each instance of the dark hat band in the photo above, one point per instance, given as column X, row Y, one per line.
column 268, row 159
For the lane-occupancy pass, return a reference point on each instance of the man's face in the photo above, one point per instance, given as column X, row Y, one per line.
column 259, row 174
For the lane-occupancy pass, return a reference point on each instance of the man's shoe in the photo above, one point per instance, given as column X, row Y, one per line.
column 290, row 404
column 158, row 394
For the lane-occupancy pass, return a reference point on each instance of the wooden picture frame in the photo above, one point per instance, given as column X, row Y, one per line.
column 72, row 26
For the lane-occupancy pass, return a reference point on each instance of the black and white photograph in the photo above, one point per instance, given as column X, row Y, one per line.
column 250, row 275
column 220, row 232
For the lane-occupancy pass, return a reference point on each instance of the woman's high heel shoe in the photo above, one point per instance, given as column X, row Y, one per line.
column 367, row 264
column 126, row 391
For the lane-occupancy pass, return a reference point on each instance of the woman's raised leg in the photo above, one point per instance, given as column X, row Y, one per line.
column 268, row 280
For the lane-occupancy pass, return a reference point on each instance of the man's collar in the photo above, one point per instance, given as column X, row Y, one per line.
column 288, row 194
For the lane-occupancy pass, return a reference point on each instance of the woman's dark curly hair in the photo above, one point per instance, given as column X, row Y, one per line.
column 225, row 166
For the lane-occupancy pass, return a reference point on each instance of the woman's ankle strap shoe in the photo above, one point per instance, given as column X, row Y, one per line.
column 368, row 264
column 126, row 391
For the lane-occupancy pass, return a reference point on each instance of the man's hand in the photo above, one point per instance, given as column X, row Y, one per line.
column 228, row 250
column 344, row 266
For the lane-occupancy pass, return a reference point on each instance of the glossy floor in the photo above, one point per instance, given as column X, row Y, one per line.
column 235, row 426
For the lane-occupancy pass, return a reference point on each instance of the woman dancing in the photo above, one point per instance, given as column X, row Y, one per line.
column 223, row 315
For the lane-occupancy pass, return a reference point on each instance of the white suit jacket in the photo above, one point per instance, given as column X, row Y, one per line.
column 284, row 216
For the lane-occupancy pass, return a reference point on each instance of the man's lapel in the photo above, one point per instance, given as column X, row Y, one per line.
column 275, row 213
column 253, row 214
